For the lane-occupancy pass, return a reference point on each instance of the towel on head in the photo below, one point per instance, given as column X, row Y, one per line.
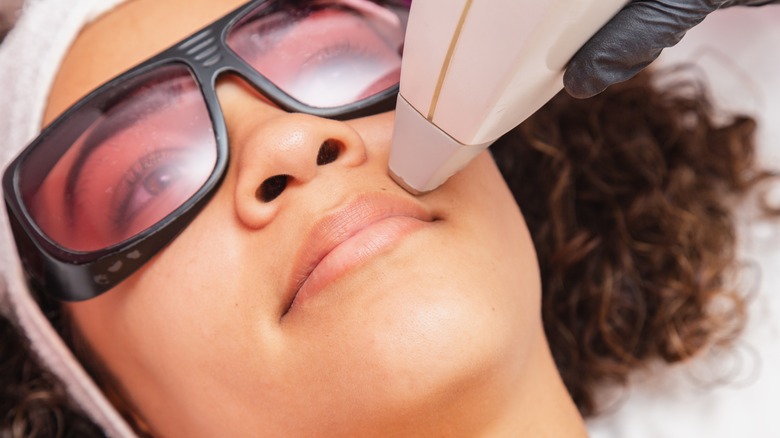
column 30, row 57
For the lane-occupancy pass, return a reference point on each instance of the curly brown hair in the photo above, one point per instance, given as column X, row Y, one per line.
column 629, row 198
column 33, row 403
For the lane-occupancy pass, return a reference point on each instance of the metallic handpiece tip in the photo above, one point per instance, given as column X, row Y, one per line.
column 400, row 181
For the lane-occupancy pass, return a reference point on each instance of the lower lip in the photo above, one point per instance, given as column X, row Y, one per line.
column 353, row 252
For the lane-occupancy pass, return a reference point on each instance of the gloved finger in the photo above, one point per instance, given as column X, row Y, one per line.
column 630, row 41
column 729, row 3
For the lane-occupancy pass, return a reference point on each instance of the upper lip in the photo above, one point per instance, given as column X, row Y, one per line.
column 344, row 222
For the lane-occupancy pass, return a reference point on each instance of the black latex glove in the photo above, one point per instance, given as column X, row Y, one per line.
column 634, row 38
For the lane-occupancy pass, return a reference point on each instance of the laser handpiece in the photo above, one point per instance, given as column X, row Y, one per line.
column 474, row 69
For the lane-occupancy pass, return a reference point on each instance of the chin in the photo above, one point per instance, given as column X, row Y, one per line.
column 424, row 346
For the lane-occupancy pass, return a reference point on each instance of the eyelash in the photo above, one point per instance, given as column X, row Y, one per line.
column 131, row 181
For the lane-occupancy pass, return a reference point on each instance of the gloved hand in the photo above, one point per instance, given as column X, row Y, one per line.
column 634, row 38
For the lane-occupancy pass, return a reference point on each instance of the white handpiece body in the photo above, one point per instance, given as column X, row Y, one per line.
column 474, row 69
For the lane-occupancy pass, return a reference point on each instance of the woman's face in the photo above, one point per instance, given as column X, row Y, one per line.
column 413, row 311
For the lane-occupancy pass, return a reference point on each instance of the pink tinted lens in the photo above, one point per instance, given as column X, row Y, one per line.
column 323, row 54
column 136, row 159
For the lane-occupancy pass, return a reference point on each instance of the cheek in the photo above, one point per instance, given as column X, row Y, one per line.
column 192, row 317
column 376, row 132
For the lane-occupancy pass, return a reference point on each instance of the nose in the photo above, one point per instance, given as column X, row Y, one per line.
column 285, row 153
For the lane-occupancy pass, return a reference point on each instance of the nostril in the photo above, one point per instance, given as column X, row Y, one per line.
column 271, row 188
column 329, row 151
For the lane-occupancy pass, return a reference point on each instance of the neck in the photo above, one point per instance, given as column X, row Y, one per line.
column 539, row 405
column 526, row 399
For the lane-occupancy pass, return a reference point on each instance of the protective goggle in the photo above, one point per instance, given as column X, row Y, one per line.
column 122, row 172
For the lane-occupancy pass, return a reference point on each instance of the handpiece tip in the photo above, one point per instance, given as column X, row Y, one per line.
column 400, row 181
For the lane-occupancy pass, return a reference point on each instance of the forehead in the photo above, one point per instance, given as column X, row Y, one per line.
column 122, row 38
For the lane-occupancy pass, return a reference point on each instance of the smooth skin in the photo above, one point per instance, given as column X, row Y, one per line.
column 436, row 334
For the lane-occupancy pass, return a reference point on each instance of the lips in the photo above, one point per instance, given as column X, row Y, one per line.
column 350, row 235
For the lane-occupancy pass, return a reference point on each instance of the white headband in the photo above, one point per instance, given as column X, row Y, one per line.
column 30, row 57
